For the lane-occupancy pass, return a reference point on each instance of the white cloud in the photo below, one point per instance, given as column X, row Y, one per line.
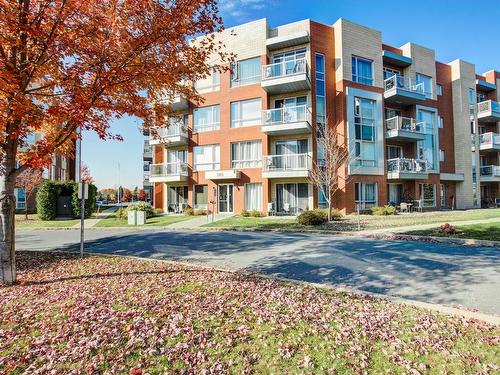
column 241, row 9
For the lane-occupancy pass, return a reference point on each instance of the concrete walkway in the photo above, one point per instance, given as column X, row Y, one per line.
column 89, row 223
column 408, row 228
column 197, row 222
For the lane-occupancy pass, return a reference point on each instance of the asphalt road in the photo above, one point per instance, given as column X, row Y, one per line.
column 433, row 273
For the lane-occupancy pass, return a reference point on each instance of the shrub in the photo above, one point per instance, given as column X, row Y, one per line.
column 383, row 211
column 316, row 217
column 122, row 213
column 447, row 229
column 89, row 203
column 245, row 213
column 46, row 201
column 157, row 211
column 189, row 211
column 256, row 213
column 336, row 214
column 141, row 206
column 200, row 212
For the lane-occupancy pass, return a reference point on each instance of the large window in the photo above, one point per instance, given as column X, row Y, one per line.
column 365, row 195
column 388, row 73
column 253, row 197
column 206, row 119
column 290, row 55
column 428, row 86
column 206, row 158
column 208, row 84
column 364, row 123
column 246, row 113
column 320, row 102
column 20, row 199
column 362, row 70
column 427, row 147
column 245, row 72
column 200, row 196
column 428, row 195
column 246, row 154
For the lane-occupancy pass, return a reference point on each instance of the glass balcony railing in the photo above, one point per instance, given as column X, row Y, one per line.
column 404, row 123
column 168, row 169
column 284, row 68
column 287, row 162
column 490, row 170
column 286, row 115
column 407, row 165
column 403, row 83
column 489, row 139
column 488, row 106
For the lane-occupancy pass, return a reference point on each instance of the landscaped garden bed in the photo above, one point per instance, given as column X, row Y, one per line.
column 121, row 315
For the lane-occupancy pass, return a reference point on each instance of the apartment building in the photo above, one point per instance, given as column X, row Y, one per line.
column 147, row 159
column 418, row 130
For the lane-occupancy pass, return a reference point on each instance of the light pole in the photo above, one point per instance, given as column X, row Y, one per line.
column 81, row 191
column 119, row 186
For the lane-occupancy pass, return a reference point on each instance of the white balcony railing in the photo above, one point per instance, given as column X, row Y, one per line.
column 172, row 130
column 488, row 106
column 489, row 139
column 407, row 165
column 168, row 169
column 288, row 162
column 284, row 68
column 490, row 170
column 403, row 83
column 404, row 123
column 286, row 115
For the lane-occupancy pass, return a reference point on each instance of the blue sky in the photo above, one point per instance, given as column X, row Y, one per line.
column 455, row 29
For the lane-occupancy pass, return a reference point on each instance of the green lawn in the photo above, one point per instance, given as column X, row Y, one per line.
column 119, row 315
column 489, row 232
column 34, row 223
column 156, row 221
column 350, row 222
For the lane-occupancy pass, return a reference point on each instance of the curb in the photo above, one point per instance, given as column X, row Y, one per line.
column 393, row 236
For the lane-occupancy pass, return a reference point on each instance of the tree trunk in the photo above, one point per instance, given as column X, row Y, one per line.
column 7, row 230
column 26, row 208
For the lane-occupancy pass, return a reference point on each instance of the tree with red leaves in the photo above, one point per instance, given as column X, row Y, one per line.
column 142, row 195
column 29, row 180
column 127, row 195
column 72, row 65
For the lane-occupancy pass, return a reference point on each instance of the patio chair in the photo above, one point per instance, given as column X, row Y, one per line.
column 497, row 202
column 403, row 207
column 270, row 209
column 286, row 208
column 418, row 206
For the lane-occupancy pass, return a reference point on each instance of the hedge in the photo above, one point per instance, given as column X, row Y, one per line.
column 46, row 199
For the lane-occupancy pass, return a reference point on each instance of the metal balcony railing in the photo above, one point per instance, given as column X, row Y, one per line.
column 285, row 68
column 490, row 170
column 489, row 139
column 168, row 169
column 172, row 130
column 407, row 165
column 286, row 115
column 403, row 83
column 287, row 162
column 404, row 123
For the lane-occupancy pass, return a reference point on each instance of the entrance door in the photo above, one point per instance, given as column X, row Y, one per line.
column 226, row 198
column 395, row 193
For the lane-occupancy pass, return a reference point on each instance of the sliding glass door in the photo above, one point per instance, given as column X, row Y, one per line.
column 292, row 198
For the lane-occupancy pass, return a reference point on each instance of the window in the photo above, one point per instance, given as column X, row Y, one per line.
column 320, row 89
column 442, row 193
column 322, row 201
column 245, row 72
column 246, row 113
column 472, row 96
column 427, row 82
column 364, row 123
column 440, row 122
column 428, row 195
column 362, row 70
column 176, row 156
column 439, row 89
column 394, row 152
column 206, row 158
column 427, row 147
column 201, row 196
column 365, row 195
column 253, row 197
column 20, row 197
column 441, row 155
column 246, row 154
column 480, row 97
column 291, row 56
column 206, row 119
column 209, row 83
column 388, row 73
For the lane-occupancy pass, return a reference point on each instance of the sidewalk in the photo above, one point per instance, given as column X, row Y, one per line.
column 89, row 223
column 197, row 222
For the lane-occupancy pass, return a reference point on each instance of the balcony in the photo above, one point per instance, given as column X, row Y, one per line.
column 173, row 135
column 406, row 169
column 287, row 120
column 402, row 90
column 170, row 172
column 490, row 173
column 227, row 174
column 489, row 142
column 287, row 166
column 396, row 59
column 488, row 111
column 404, row 129
column 276, row 41
column 147, row 151
column 286, row 76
